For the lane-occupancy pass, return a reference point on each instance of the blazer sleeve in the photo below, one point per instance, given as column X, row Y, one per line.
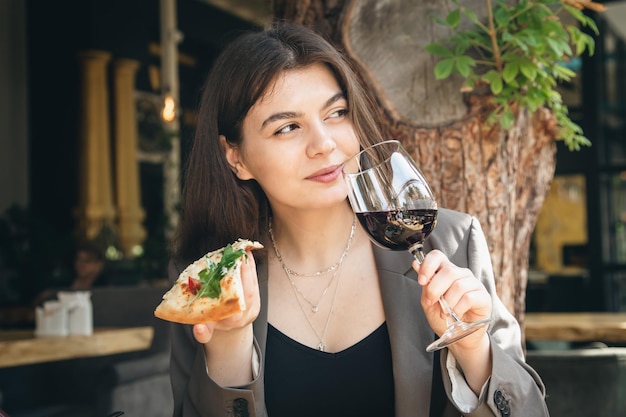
column 514, row 388
column 195, row 393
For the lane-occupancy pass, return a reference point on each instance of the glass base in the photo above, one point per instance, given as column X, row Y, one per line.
column 456, row 331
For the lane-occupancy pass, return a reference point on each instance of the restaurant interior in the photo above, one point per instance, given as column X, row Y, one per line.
column 87, row 151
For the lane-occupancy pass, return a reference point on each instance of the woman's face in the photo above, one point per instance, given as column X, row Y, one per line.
column 87, row 265
column 296, row 138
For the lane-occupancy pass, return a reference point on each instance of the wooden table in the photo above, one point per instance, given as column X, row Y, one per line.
column 21, row 347
column 576, row 327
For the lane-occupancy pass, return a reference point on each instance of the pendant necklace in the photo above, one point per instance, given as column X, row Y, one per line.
column 333, row 268
column 321, row 346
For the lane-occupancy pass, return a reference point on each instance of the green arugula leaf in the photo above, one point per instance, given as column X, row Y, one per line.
column 211, row 276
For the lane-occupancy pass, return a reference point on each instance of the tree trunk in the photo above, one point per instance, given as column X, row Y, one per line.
column 501, row 177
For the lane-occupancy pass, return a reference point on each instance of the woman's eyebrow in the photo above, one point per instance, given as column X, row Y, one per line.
column 334, row 99
column 280, row 116
column 291, row 114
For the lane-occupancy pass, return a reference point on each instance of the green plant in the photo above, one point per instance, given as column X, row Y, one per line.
column 519, row 53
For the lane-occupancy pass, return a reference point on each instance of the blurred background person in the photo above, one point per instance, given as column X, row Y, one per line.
column 89, row 267
column 89, row 264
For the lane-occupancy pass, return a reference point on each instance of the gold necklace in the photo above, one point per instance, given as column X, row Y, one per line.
column 296, row 291
column 321, row 346
column 289, row 272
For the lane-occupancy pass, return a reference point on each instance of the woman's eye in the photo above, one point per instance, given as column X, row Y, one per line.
column 286, row 129
column 338, row 113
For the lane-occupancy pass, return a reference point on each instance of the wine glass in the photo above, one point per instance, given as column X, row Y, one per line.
column 395, row 205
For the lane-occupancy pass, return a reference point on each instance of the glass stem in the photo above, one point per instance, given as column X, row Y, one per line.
column 417, row 250
column 451, row 316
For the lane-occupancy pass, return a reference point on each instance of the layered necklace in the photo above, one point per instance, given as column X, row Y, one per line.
column 334, row 268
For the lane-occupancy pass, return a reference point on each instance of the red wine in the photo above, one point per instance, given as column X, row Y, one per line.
column 399, row 229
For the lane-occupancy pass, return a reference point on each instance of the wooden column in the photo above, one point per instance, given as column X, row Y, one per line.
column 170, row 37
column 131, row 232
column 95, row 206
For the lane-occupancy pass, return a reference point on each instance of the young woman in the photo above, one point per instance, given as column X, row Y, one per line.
column 334, row 326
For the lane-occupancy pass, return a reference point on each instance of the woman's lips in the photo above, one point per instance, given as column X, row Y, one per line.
column 326, row 175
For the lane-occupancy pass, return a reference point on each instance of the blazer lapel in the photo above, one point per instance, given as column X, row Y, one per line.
column 260, row 324
column 409, row 332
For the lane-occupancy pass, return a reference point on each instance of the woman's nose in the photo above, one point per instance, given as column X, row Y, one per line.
column 321, row 142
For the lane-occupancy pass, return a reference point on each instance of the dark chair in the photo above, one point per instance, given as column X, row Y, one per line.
column 583, row 382
column 138, row 385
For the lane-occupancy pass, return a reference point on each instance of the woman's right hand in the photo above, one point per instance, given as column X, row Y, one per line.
column 205, row 333
column 229, row 343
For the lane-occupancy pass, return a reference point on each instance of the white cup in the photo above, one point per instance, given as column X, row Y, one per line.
column 79, row 311
column 51, row 319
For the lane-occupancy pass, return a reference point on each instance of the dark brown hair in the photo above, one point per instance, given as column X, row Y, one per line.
column 92, row 248
column 217, row 207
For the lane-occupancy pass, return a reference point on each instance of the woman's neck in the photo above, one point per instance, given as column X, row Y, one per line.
column 83, row 283
column 312, row 241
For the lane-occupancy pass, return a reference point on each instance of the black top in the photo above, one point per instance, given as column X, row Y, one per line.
column 300, row 381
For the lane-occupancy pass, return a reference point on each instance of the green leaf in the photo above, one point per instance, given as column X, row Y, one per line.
column 531, row 37
column 440, row 21
column 453, row 18
column 583, row 42
column 510, row 71
column 502, row 17
column 577, row 14
column 591, row 44
column 444, row 68
column 438, row 50
column 513, row 84
column 461, row 48
column 211, row 276
column 517, row 42
column 496, row 85
column 563, row 72
column 591, row 24
column 556, row 46
column 230, row 256
column 567, row 50
column 470, row 15
column 210, row 281
column 490, row 75
column 528, row 69
column 507, row 119
column 464, row 65
column 555, row 98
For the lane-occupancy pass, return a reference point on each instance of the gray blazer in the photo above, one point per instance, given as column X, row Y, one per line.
column 514, row 389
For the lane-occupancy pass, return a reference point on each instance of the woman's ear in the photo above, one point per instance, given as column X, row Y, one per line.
column 233, row 156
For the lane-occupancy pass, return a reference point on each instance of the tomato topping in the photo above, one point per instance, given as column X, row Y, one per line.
column 194, row 285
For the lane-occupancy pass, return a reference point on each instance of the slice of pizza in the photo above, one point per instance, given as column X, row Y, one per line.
column 209, row 289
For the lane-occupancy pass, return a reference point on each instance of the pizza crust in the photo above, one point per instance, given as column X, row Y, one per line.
column 177, row 305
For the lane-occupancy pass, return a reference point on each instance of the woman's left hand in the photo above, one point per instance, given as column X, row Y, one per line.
column 467, row 296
